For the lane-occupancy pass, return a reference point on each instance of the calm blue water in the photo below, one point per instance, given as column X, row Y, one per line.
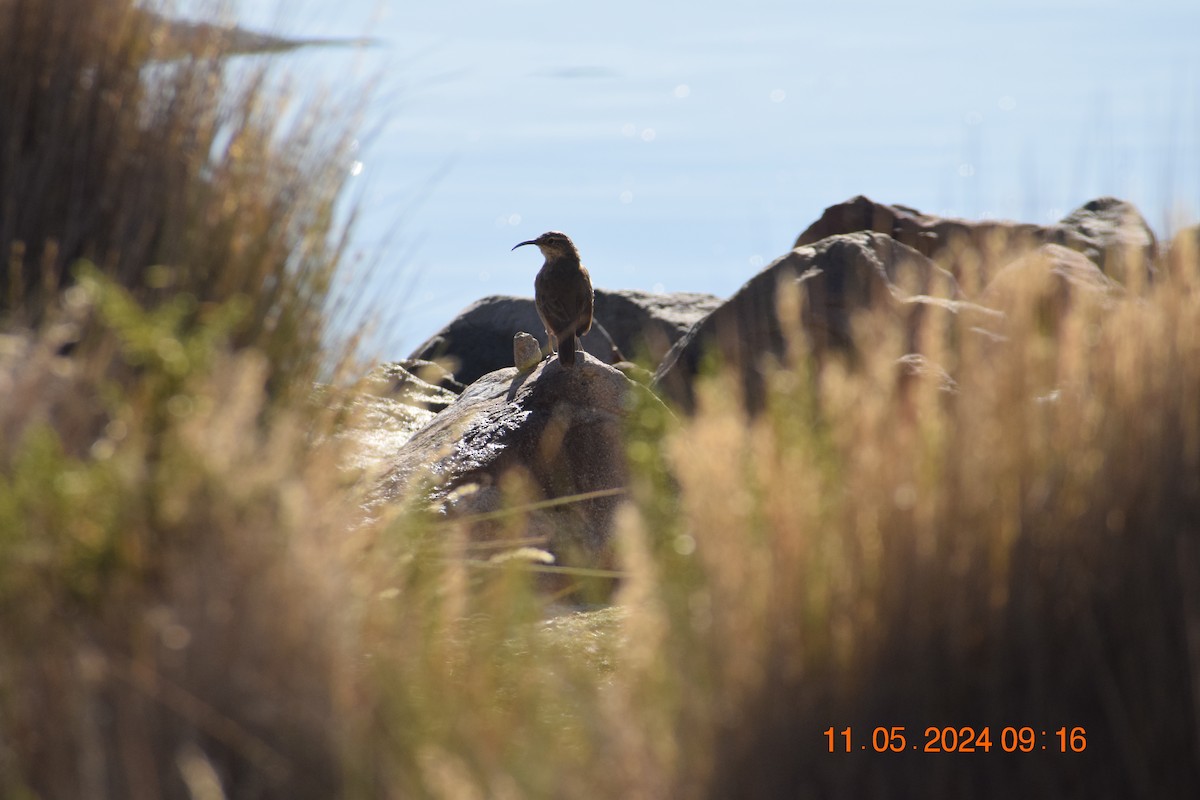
column 683, row 145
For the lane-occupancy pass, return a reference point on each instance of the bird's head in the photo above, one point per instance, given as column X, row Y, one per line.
column 553, row 244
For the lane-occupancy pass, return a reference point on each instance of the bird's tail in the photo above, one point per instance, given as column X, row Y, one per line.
column 566, row 350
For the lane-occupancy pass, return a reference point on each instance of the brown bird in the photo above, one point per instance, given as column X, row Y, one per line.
column 562, row 293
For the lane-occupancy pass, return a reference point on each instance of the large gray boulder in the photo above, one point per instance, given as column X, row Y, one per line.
column 1110, row 232
column 550, row 433
column 480, row 339
column 646, row 324
column 837, row 276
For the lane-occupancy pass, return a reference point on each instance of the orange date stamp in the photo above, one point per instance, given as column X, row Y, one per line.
column 963, row 739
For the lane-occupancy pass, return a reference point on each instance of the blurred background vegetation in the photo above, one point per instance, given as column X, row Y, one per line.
column 192, row 604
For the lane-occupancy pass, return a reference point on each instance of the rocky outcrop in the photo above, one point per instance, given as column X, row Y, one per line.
column 498, row 455
column 837, row 277
column 646, row 324
column 551, row 433
column 422, row 384
column 1115, row 236
column 1110, row 232
column 480, row 339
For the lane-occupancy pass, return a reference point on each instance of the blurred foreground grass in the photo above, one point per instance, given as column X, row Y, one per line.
column 192, row 606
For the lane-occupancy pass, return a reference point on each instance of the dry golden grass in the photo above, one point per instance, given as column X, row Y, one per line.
column 997, row 557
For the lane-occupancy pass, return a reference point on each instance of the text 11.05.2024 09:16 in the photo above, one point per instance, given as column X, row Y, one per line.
column 966, row 739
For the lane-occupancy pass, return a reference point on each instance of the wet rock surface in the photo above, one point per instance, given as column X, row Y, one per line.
column 551, row 433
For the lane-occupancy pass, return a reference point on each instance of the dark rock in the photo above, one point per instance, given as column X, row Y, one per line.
column 838, row 277
column 555, row 431
column 480, row 339
column 1110, row 232
column 646, row 324
column 949, row 242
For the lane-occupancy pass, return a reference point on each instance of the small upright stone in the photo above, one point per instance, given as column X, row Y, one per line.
column 527, row 353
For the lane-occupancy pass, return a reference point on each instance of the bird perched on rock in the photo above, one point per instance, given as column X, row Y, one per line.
column 562, row 293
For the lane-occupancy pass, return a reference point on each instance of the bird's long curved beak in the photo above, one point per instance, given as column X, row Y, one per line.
column 522, row 244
